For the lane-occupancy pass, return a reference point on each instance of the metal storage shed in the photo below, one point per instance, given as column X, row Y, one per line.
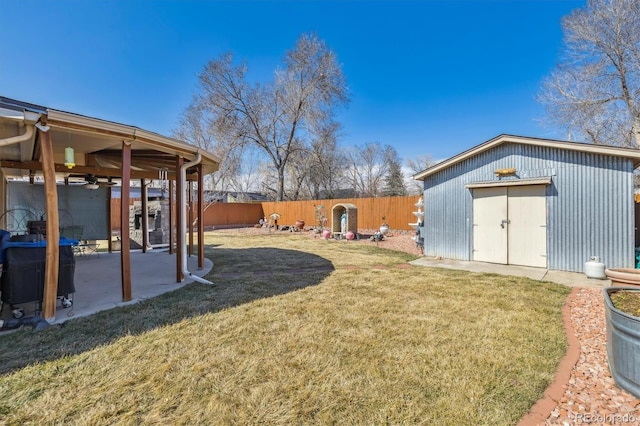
column 532, row 202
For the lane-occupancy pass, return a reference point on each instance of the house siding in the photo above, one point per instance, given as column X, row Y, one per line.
column 590, row 207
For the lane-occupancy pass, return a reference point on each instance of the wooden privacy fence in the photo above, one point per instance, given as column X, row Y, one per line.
column 233, row 214
column 219, row 214
column 397, row 211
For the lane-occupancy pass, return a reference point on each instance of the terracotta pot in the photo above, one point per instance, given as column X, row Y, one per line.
column 623, row 276
column 300, row 224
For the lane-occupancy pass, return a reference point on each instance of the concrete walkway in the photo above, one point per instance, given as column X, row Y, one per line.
column 570, row 279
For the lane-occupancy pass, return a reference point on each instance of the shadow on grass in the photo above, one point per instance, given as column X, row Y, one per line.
column 239, row 276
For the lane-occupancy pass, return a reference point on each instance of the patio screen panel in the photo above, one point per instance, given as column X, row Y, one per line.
column 77, row 206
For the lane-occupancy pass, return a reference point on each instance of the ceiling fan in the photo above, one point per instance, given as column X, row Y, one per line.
column 92, row 182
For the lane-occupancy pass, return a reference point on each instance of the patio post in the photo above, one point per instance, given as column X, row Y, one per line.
column 172, row 218
column 145, row 215
column 179, row 236
column 190, row 217
column 125, row 242
column 52, row 228
column 200, row 218
column 110, row 221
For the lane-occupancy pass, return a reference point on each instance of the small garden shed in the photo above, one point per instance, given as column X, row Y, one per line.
column 532, row 202
column 350, row 214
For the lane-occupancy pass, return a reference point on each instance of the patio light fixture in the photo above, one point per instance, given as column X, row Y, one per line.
column 69, row 158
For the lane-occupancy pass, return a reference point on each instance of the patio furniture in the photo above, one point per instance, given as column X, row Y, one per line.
column 84, row 247
column 16, row 221
column 23, row 272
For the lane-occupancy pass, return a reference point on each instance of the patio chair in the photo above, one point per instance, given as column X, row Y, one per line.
column 89, row 247
column 74, row 232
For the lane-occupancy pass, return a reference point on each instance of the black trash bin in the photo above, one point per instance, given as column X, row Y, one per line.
column 23, row 272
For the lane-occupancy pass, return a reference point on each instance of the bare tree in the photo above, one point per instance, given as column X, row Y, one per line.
column 367, row 168
column 595, row 91
column 236, row 162
column 245, row 179
column 328, row 170
column 268, row 178
column 194, row 130
column 318, row 170
column 415, row 166
column 298, row 171
column 279, row 117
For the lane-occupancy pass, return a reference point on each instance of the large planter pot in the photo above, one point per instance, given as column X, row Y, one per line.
column 623, row 344
column 623, row 276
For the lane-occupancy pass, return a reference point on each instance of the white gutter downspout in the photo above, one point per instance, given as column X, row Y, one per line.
column 29, row 119
column 28, row 134
column 183, row 221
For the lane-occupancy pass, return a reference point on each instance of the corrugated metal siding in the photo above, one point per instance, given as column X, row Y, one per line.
column 447, row 221
column 592, row 213
column 590, row 204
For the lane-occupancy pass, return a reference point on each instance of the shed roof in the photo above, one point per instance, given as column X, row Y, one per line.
column 630, row 153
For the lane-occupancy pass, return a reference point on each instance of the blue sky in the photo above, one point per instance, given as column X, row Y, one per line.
column 427, row 77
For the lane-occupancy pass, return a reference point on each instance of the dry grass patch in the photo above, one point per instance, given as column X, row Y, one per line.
column 627, row 302
column 338, row 252
column 311, row 346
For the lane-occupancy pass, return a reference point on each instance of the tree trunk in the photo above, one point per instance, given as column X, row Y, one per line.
column 280, row 194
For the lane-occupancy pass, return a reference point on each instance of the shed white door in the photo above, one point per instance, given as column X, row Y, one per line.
column 527, row 208
column 509, row 225
column 489, row 233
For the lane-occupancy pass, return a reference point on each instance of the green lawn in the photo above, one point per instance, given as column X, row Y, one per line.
column 297, row 331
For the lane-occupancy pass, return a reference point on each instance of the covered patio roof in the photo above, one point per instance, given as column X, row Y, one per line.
column 97, row 144
column 34, row 140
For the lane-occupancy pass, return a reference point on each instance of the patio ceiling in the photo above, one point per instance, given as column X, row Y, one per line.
column 97, row 145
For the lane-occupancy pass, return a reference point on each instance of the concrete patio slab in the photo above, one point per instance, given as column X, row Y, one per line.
column 98, row 282
column 570, row 279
